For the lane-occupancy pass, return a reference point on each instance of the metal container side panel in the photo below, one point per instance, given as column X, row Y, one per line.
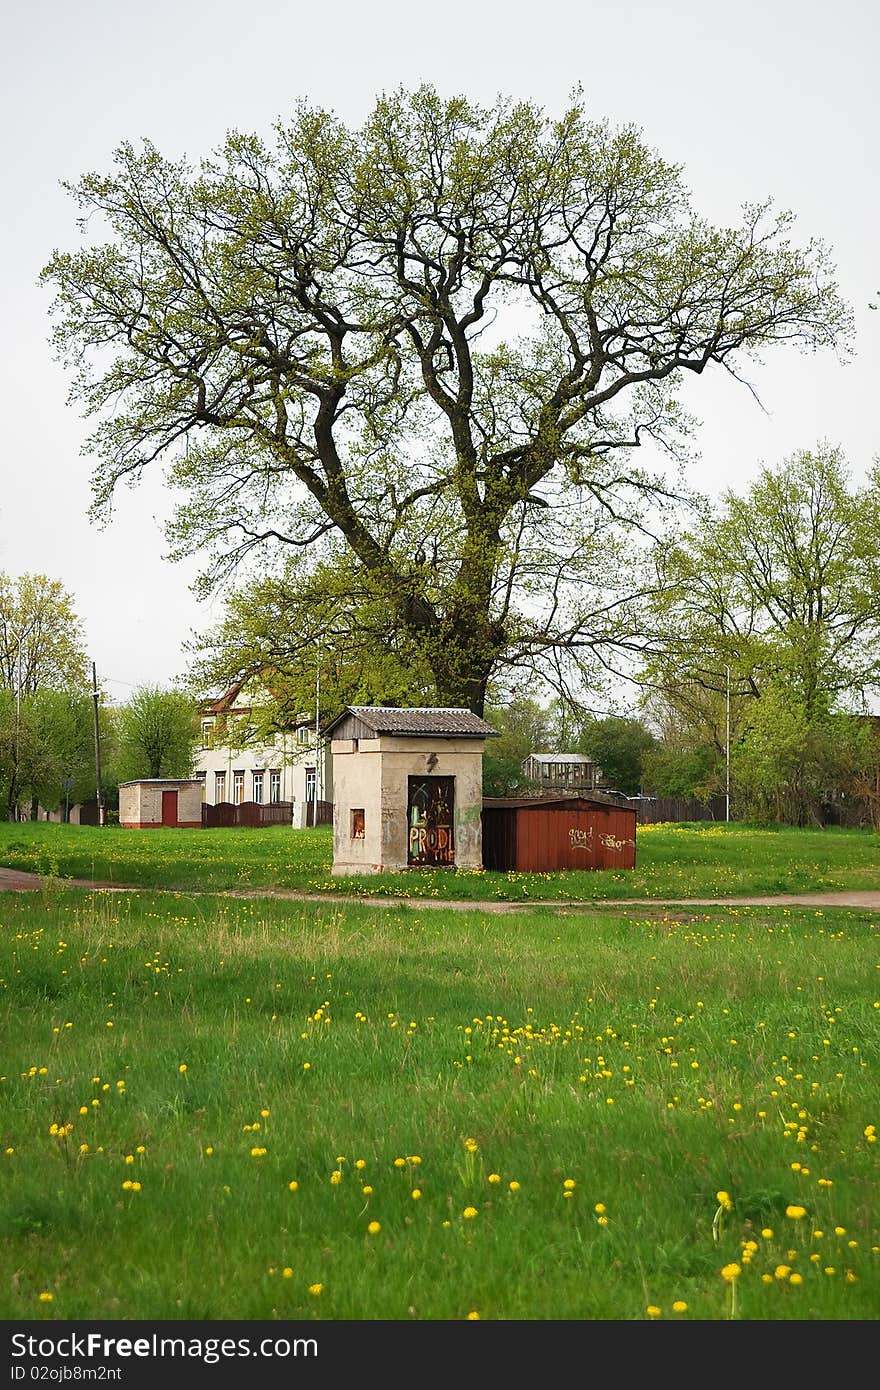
column 528, row 846
column 616, row 839
column 578, row 833
column 541, row 839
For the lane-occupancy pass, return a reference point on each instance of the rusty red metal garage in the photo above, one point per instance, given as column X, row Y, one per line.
column 535, row 834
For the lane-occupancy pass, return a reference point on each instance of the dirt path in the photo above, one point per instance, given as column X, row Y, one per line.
column 17, row 881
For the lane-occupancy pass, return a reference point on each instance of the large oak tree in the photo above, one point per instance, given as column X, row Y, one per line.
column 421, row 352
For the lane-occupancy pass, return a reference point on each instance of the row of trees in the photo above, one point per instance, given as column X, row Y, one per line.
column 764, row 631
column 47, row 731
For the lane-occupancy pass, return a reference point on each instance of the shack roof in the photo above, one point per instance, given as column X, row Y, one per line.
column 416, row 723
column 571, row 802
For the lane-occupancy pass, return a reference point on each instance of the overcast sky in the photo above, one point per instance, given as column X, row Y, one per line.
column 754, row 99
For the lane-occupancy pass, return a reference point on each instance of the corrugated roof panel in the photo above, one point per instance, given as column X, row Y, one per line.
column 421, row 721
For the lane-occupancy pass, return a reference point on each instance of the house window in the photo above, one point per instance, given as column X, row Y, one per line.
column 203, row 778
column 219, row 786
column 238, row 787
column 357, row 824
column 303, row 734
column 311, row 784
column 207, row 733
column 274, row 786
column 258, row 787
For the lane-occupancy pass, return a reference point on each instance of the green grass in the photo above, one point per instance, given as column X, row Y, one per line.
column 653, row 1059
column 697, row 860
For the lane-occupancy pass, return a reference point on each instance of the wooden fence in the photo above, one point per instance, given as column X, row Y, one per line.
column 246, row 813
column 319, row 813
column 651, row 810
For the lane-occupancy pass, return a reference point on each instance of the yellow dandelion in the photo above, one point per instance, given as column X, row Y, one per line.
column 731, row 1272
column 795, row 1213
column 293, row 1186
column 416, row 1193
column 569, row 1184
column 473, row 1316
column 469, row 1213
column 494, row 1177
column 782, row 1271
column 653, row 1311
column 374, row 1228
column 316, row 1289
column 46, row 1296
column 679, row 1306
column 723, row 1198
column 287, row 1272
column 513, row 1186
column 367, row 1190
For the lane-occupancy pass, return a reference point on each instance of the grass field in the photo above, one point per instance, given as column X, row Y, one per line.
column 214, row 1108
column 699, row 860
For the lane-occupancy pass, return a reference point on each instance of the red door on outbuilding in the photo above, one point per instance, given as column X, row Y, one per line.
column 169, row 808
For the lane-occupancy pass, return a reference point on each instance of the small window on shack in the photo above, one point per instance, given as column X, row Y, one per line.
column 358, row 829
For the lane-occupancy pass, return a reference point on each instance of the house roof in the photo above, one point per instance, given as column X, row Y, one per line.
column 415, row 723
column 225, row 702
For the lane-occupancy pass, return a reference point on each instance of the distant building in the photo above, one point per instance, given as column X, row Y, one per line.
column 234, row 764
column 554, row 772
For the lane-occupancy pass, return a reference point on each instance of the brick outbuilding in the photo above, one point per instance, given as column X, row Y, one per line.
column 154, row 802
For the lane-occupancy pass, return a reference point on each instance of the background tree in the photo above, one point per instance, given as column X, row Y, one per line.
column 298, row 638
column 423, row 353
column 156, row 731
column 616, row 743
column 42, row 653
column 523, row 727
column 779, row 590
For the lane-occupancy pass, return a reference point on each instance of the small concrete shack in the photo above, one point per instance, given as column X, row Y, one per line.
column 536, row 834
column 408, row 788
column 154, row 802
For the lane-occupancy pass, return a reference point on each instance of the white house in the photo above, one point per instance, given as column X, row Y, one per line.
column 291, row 766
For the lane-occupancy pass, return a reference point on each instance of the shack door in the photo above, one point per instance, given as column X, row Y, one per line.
column 169, row 808
column 429, row 815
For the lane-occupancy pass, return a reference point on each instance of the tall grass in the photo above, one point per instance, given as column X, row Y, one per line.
column 672, row 861
column 215, row 1108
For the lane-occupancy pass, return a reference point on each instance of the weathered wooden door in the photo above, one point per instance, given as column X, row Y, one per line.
column 169, row 808
column 430, row 817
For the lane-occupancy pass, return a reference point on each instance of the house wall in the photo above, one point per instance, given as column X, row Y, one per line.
column 285, row 755
column 372, row 775
column 140, row 804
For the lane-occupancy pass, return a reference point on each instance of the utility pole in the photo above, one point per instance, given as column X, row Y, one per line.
column 727, row 747
column 319, row 767
column 97, row 747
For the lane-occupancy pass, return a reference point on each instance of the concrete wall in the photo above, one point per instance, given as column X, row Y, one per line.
column 372, row 775
column 140, row 804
